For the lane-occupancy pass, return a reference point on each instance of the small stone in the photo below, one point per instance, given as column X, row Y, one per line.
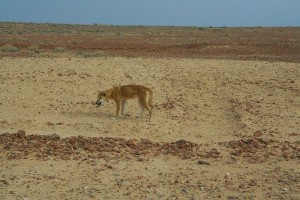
column 226, row 176
column 265, row 141
column 20, row 133
column 184, row 190
column 4, row 121
column 257, row 134
column 131, row 143
column 4, row 182
column 50, row 124
column 252, row 182
column 65, row 157
column 54, row 136
column 202, row 162
column 141, row 159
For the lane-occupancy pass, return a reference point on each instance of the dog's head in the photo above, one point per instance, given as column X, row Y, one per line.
column 102, row 96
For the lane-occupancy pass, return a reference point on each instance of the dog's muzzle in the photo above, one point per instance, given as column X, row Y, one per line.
column 99, row 103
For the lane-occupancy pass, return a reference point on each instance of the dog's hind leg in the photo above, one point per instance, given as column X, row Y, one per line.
column 118, row 108
column 142, row 108
column 145, row 105
column 123, row 107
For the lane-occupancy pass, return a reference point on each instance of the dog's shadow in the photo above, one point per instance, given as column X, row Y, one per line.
column 96, row 114
column 99, row 114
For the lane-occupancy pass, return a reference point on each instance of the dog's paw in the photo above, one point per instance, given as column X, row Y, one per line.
column 139, row 115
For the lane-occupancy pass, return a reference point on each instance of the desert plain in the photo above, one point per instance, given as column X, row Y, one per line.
column 225, row 121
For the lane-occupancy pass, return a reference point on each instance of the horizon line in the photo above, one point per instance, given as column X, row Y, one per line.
column 141, row 25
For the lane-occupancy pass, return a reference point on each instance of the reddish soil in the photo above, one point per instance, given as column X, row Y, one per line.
column 258, row 43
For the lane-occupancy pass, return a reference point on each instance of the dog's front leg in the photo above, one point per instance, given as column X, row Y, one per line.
column 123, row 107
column 124, row 103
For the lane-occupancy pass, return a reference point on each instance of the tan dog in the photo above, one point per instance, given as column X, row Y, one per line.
column 122, row 93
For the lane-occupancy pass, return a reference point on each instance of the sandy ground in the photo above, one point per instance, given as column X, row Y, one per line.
column 216, row 104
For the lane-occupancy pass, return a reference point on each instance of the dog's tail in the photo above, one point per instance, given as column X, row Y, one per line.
column 150, row 97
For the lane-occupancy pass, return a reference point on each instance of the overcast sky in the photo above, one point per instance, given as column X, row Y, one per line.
column 154, row 12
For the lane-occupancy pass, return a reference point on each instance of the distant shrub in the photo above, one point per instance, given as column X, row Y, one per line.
column 9, row 48
column 90, row 54
column 34, row 48
column 59, row 50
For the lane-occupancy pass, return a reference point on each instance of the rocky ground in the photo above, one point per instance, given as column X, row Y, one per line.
column 90, row 167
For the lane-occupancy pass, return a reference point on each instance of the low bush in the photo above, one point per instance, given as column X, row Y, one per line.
column 9, row 48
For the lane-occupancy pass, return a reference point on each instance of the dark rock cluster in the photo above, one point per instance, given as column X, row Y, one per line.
column 259, row 149
column 254, row 150
column 19, row 145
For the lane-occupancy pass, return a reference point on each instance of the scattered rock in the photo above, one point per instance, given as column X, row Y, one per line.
column 4, row 121
column 252, row 182
column 54, row 136
column 257, row 134
column 226, row 176
column 20, row 133
column 131, row 143
column 43, row 146
column 257, row 150
column 5, row 182
column 202, row 162
column 50, row 124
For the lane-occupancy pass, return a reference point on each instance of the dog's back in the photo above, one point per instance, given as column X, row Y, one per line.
column 131, row 91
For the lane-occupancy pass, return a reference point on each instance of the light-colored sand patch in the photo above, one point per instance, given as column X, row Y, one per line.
column 197, row 100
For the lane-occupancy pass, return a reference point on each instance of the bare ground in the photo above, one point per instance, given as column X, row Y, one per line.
column 220, row 129
column 247, row 43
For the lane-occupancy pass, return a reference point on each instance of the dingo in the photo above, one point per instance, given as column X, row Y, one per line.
column 122, row 93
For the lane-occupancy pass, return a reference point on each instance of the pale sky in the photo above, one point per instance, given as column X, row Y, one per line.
column 154, row 12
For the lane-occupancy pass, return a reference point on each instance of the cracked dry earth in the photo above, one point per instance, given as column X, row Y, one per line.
column 220, row 130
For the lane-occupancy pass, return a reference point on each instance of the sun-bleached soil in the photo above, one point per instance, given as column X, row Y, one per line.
column 221, row 129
